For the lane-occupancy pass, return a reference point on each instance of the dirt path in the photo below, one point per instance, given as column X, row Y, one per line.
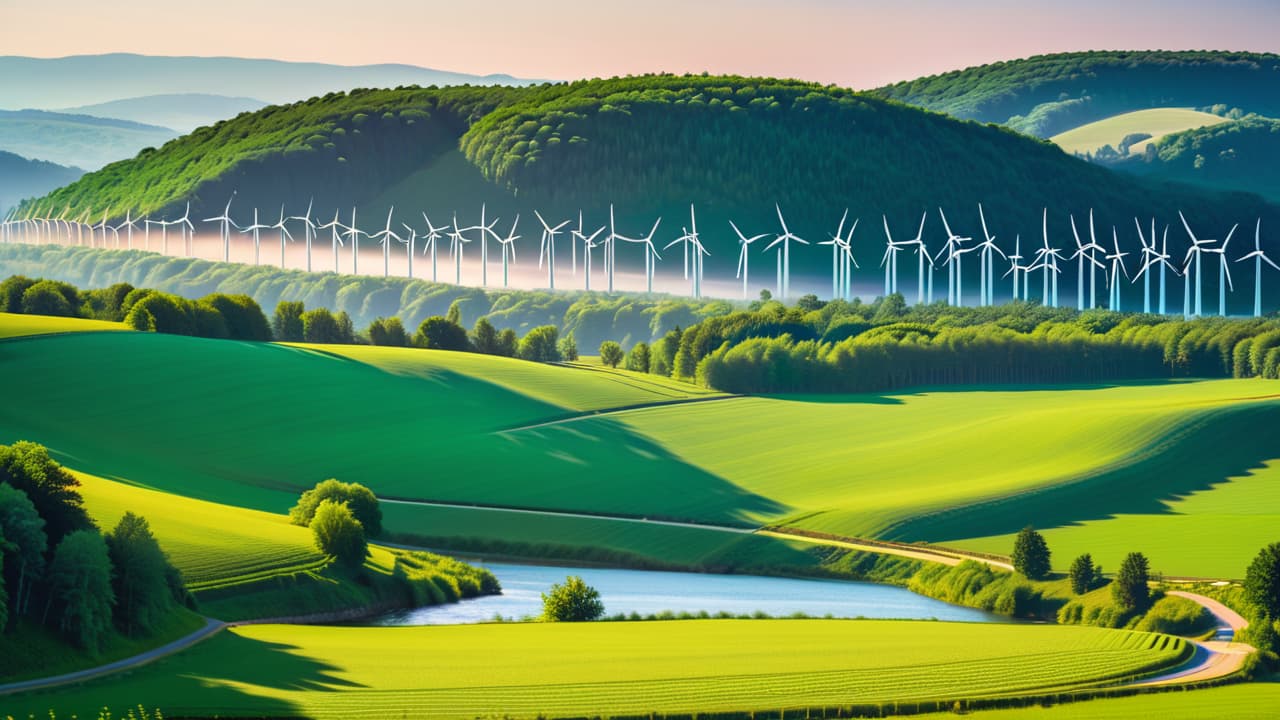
column 210, row 628
column 1213, row 659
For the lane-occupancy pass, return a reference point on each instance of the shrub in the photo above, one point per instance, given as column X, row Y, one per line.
column 541, row 344
column 484, row 337
column 320, row 326
column 338, row 533
column 388, row 331
column 568, row 347
column 1176, row 616
column 241, row 315
column 360, row 499
column 574, row 601
column 161, row 312
column 439, row 333
column 286, row 324
column 50, row 298
column 11, row 292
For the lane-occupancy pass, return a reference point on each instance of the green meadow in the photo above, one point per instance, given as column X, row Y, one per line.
column 1104, row 469
column 1245, row 701
column 602, row 669
column 1156, row 122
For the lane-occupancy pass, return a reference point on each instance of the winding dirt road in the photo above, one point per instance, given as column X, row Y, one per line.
column 1213, row 659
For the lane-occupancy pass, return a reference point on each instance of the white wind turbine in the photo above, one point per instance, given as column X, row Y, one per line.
column 433, row 235
column 457, row 241
column 890, row 259
column 486, row 230
column 101, row 225
column 1047, row 258
column 308, row 230
column 354, row 234
column 610, row 243
column 186, row 228
column 589, row 244
column 227, row 224
column 1117, row 268
column 1147, row 253
column 408, row 245
column 256, row 228
column 1153, row 257
column 650, row 252
column 743, row 267
column 955, row 269
column 783, row 243
column 1085, row 251
column 1197, row 249
column 335, row 236
column 1224, row 272
column 1015, row 268
column 988, row 271
column 837, row 259
column 547, row 250
column 698, row 253
column 285, row 235
column 129, row 224
column 1259, row 258
column 508, row 244
column 386, row 235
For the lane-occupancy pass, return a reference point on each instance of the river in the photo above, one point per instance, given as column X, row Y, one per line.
column 647, row 592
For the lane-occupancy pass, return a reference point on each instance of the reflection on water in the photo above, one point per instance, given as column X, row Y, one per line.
column 644, row 592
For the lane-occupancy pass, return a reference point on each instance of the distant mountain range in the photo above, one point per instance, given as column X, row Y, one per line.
column 21, row 178
column 182, row 112
column 76, row 140
column 82, row 80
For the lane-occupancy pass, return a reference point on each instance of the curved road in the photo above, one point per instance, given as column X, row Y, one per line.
column 211, row 626
column 1213, row 659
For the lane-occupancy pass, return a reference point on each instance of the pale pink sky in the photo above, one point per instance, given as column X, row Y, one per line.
column 855, row 42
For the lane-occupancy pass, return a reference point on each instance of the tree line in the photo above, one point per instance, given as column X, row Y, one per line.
column 62, row 572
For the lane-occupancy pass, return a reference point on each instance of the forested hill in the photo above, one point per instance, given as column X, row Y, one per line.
column 650, row 145
column 1047, row 94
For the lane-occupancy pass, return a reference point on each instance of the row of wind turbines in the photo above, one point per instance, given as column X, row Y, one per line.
column 1154, row 257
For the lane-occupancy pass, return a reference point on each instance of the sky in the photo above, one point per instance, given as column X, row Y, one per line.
column 855, row 43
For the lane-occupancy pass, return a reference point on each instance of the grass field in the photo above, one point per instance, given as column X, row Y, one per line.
column 12, row 325
column 1167, row 457
column 1156, row 122
column 610, row 668
column 1251, row 701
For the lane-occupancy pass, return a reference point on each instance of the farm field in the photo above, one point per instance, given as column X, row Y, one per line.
column 1156, row 122
column 14, row 325
column 1248, row 701
column 409, row 424
column 610, row 668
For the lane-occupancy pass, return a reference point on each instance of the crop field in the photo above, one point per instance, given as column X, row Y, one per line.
column 12, row 325
column 451, row 427
column 1248, row 701
column 1156, row 122
column 523, row 670
column 213, row 545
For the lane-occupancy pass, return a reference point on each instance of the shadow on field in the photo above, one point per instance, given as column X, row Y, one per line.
column 897, row 397
column 1204, row 450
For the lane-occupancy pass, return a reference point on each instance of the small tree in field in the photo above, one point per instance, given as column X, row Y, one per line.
column 338, row 533
column 1262, row 581
column 1031, row 554
column 574, row 601
column 358, row 498
column 610, row 353
column 1082, row 574
column 1130, row 587
column 569, row 347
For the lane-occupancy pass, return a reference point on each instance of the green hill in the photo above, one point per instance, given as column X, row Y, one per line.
column 1123, row 131
column 22, row 178
column 1243, row 154
column 181, row 111
column 79, row 140
column 648, row 144
column 1049, row 94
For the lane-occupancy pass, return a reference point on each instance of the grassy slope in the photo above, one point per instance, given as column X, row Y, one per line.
column 1251, row 701
column 431, row 429
column 468, row 671
column 24, row 325
column 1156, row 122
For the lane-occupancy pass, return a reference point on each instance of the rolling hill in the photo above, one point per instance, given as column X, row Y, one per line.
column 1049, row 94
column 27, row 82
column 183, row 112
column 1155, row 124
column 649, row 145
column 76, row 140
column 1242, row 154
column 21, row 178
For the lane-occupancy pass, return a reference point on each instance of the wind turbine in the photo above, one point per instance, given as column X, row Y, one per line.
column 890, row 260
column 128, row 223
column 1014, row 267
column 783, row 243
column 1259, row 257
column 953, row 251
column 987, row 271
column 433, row 234
column 1197, row 249
column 185, row 227
column 408, row 245
column 508, row 244
column 650, row 252
column 837, row 260
column 1085, row 251
column 743, row 268
column 457, row 241
column 589, row 244
column 1224, row 272
column 1148, row 252
column 102, row 225
column 285, row 235
column 698, row 253
column 335, row 236
column 485, row 232
column 387, row 235
column 308, row 229
column 1117, row 268
column 1157, row 258
column 610, row 242
column 227, row 224
column 255, row 228
column 1047, row 258
column 354, row 233
column 547, row 250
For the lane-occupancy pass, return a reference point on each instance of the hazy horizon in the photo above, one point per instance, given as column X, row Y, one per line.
column 855, row 44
